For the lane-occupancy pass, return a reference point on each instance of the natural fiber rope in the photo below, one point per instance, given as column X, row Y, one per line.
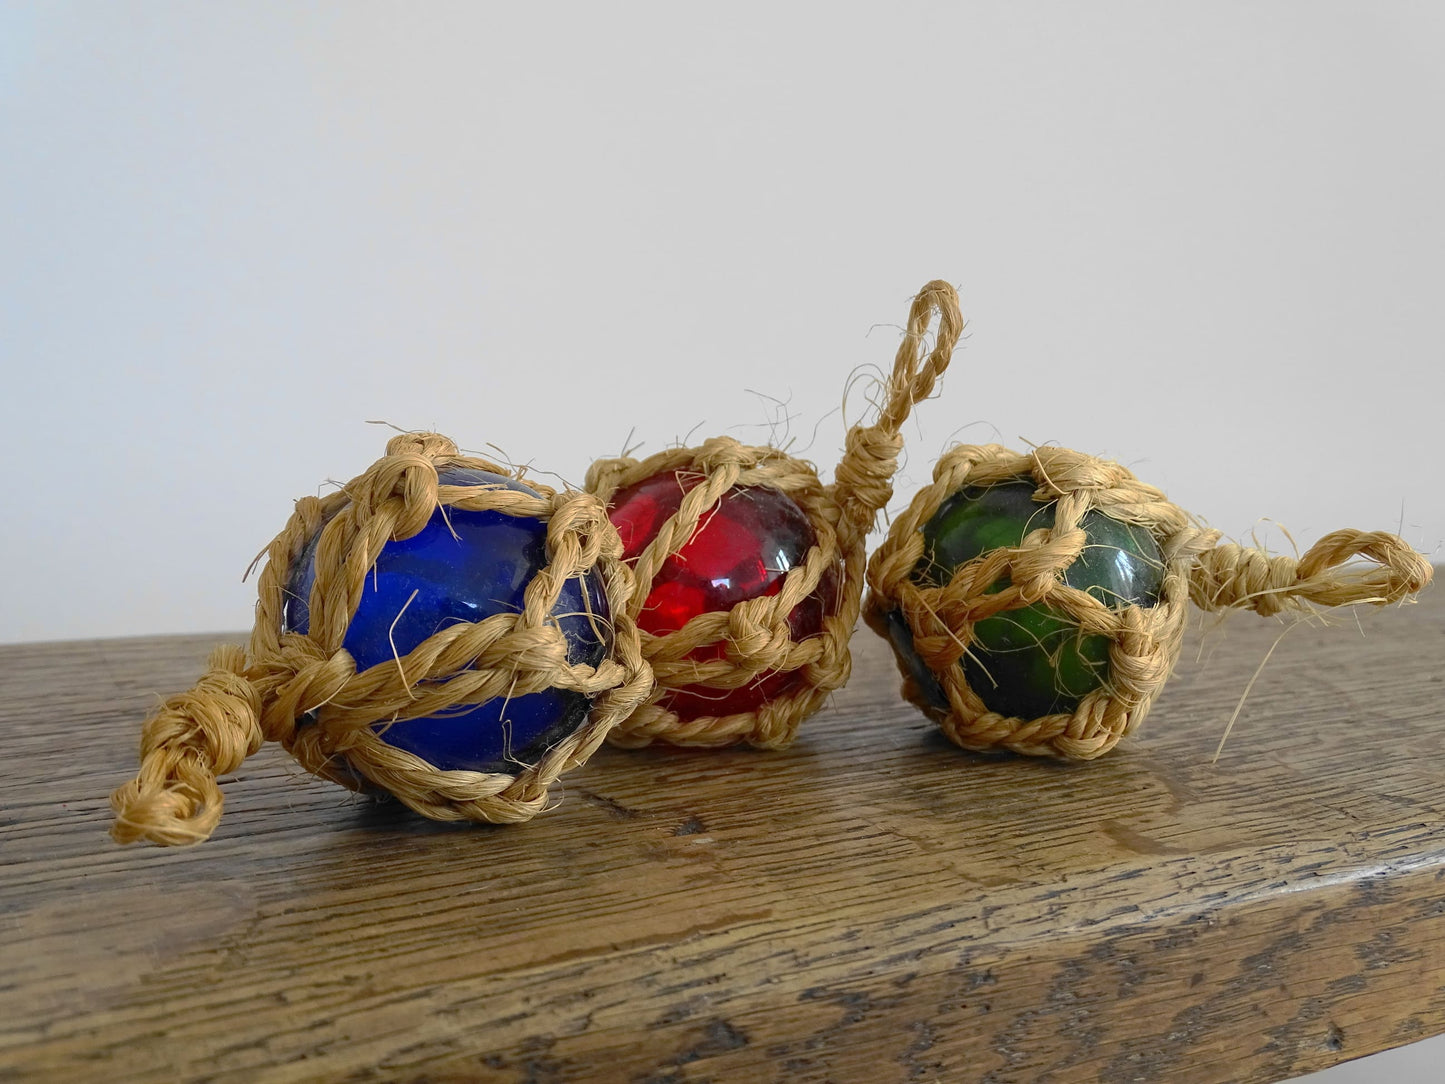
column 1145, row 640
column 755, row 634
column 250, row 697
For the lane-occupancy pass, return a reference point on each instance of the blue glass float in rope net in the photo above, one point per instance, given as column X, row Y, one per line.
column 466, row 566
column 436, row 630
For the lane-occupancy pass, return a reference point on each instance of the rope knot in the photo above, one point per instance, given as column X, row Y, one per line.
column 400, row 492
column 757, row 632
column 187, row 742
column 865, row 473
column 1063, row 471
column 426, row 445
column 1043, row 559
column 579, row 534
column 297, row 679
column 722, row 452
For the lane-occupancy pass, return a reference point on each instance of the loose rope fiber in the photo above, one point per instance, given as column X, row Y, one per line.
column 755, row 636
column 260, row 694
column 1144, row 641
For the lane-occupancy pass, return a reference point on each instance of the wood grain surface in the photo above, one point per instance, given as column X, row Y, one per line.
column 872, row 905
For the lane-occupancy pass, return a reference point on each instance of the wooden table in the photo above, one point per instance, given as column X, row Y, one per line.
column 873, row 905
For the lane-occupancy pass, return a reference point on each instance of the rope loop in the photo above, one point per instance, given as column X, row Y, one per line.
column 1230, row 576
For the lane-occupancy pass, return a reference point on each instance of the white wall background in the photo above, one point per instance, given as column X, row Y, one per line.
column 1206, row 240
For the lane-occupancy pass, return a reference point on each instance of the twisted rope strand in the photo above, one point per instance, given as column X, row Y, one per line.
column 1231, row 576
column 191, row 738
column 863, row 479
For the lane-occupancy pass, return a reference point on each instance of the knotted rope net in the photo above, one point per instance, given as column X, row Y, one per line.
column 304, row 690
column 754, row 635
column 1144, row 641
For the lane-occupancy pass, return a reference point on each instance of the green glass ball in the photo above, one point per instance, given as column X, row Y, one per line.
column 1034, row 660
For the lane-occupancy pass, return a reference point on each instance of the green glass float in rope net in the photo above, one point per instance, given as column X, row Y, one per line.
column 1035, row 660
column 1037, row 602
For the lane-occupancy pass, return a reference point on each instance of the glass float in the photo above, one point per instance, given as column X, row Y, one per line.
column 1036, row 602
column 436, row 630
column 464, row 566
column 743, row 548
column 749, row 568
column 1034, row 660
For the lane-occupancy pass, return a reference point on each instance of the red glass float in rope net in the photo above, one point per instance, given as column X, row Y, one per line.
column 742, row 550
column 749, row 569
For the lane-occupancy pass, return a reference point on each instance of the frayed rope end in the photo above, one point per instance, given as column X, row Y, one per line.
column 186, row 743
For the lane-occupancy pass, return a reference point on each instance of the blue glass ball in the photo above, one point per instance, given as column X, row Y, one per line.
column 464, row 567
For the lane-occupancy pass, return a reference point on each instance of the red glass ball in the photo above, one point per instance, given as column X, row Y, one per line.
column 742, row 549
